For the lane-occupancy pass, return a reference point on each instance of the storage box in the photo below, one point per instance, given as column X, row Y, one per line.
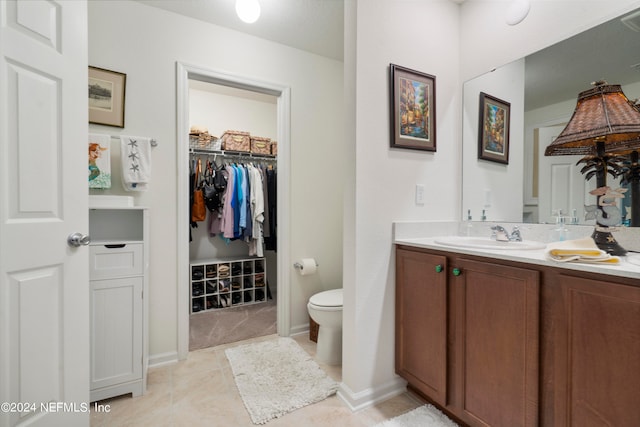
column 233, row 140
column 260, row 145
column 274, row 148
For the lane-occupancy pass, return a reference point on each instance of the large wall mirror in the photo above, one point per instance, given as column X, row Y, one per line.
column 542, row 89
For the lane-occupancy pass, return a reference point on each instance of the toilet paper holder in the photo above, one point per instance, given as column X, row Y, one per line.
column 298, row 266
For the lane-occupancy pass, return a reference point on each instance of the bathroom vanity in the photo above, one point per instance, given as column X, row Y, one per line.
column 509, row 338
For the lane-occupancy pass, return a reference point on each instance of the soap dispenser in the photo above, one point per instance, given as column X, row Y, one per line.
column 561, row 232
column 466, row 226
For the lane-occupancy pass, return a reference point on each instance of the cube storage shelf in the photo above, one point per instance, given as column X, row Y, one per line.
column 227, row 282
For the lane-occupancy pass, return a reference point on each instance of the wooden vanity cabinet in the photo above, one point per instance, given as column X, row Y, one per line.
column 467, row 336
column 505, row 344
column 496, row 311
column 421, row 322
column 596, row 353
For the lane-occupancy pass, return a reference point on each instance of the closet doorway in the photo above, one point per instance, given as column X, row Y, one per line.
column 220, row 102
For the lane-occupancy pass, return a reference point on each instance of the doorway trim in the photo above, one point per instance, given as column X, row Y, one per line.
column 184, row 73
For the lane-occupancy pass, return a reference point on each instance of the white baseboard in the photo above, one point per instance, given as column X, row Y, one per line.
column 371, row 396
column 299, row 329
column 161, row 359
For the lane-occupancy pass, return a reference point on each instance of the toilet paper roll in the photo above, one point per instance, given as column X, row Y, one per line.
column 308, row 266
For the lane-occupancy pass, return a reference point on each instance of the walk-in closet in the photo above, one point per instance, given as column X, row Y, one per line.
column 233, row 237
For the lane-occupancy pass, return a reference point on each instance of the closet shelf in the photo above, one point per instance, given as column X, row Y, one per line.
column 227, row 282
column 238, row 154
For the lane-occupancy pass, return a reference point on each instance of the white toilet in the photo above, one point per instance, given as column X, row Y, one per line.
column 325, row 308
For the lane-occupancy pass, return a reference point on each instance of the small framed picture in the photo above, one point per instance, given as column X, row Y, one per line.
column 413, row 109
column 493, row 129
column 106, row 97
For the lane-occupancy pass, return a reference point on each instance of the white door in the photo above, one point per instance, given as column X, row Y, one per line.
column 44, row 283
column 560, row 183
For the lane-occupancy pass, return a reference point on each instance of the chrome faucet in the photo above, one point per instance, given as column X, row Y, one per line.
column 500, row 234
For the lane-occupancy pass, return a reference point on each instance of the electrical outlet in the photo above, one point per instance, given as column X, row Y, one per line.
column 419, row 194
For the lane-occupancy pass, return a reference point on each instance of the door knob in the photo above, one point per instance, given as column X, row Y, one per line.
column 78, row 239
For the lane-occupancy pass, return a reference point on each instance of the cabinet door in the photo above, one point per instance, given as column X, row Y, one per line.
column 421, row 322
column 496, row 338
column 599, row 354
column 116, row 331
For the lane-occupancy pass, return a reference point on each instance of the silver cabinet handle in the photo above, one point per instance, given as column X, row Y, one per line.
column 78, row 239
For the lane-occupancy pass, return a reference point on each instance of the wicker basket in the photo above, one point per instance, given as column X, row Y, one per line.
column 260, row 145
column 233, row 140
column 202, row 140
column 274, row 148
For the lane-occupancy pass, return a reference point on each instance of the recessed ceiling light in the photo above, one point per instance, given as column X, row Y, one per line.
column 248, row 10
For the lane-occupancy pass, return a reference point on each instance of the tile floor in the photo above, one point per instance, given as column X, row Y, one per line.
column 200, row 391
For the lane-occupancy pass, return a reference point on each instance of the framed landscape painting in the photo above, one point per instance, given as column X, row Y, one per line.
column 493, row 129
column 413, row 109
column 106, row 97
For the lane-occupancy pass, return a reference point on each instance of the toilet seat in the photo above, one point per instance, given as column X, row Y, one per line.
column 327, row 299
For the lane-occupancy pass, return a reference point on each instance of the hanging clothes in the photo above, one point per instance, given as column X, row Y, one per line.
column 272, row 204
column 227, row 221
column 240, row 198
column 256, row 243
column 220, row 178
column 192, row 187
column 266, row 227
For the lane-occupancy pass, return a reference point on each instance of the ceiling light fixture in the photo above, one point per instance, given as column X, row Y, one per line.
column 248, row 10
column 517, row 11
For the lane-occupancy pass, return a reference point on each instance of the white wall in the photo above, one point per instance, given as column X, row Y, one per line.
column 502, row 182
column 145, row 43
column 422, row 36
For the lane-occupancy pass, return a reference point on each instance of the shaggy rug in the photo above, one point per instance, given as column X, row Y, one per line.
column 277, row 376
column 424, row 416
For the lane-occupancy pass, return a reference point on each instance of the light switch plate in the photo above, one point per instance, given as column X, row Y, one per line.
column 419, row 194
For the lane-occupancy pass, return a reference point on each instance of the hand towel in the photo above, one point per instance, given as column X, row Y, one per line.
column 99, row 161
column 579, row 250
column 135, row 152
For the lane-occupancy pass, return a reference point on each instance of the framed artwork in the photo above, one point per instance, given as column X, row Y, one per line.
column 413, row 109
column 493, row 129
column 106, row 97
column 99, row 161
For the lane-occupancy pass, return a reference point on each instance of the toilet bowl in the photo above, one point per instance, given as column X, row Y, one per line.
column 325, row 308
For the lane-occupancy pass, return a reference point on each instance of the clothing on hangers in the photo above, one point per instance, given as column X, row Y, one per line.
column 244, row 200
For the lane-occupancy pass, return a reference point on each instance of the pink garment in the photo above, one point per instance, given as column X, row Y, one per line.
column 226, row 222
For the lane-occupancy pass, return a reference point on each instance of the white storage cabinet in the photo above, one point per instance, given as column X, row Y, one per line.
column 118, row 274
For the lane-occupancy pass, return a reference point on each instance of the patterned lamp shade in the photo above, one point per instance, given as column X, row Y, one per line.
column 602, row 113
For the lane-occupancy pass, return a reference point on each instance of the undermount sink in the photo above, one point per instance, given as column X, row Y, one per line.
column 487, row 243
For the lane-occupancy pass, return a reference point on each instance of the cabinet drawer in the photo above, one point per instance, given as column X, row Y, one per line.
column 115, row 260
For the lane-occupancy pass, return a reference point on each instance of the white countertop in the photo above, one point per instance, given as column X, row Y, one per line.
column 535, row 256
